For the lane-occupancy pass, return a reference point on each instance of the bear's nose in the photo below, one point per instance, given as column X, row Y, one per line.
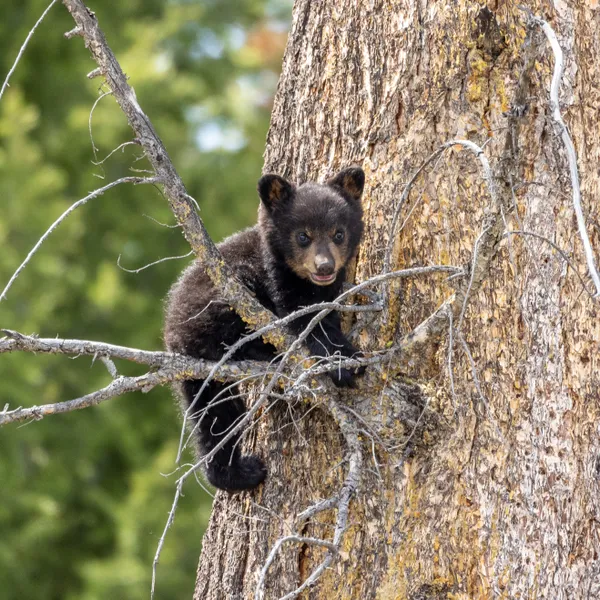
column 324, row 265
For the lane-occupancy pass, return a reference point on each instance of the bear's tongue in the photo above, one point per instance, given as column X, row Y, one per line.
column 324, row 277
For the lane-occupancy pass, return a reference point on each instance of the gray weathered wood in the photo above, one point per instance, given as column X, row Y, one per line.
column 493, row 498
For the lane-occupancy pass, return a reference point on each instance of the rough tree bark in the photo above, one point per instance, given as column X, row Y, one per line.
column 496, row 497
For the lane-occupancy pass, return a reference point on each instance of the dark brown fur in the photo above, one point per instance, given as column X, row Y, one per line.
column 284, row 275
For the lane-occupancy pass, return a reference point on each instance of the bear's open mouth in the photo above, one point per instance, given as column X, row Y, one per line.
column 323, row 279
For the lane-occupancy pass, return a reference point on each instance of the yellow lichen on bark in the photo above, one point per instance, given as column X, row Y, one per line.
column 501, row 497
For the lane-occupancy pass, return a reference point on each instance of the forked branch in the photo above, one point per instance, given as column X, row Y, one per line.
column 180, row 202
column 168, row 367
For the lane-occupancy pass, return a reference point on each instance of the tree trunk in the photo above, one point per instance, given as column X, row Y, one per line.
column 496, row 494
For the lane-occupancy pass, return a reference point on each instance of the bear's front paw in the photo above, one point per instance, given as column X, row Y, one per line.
column 346, row 377
column 359, row 371
column 343, row 378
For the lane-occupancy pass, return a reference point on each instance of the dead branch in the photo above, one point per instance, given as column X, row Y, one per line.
column 119, row 147
column 22, row 49
column 119, row 386
column 16, row 341
column 156, row 262
column 560, row 251
column 94, row 148
column 569, row 148
column 91, row 196
column 180, row 202
column 341, row 501
column 430, row 329
column 294, row 352
column 177, row 367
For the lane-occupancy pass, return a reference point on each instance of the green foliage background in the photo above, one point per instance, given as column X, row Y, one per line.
column 83, row 499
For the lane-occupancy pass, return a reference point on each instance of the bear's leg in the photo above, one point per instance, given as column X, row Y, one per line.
column 213, row 415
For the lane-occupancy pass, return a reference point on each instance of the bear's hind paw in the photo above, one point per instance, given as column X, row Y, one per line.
column 246, row 473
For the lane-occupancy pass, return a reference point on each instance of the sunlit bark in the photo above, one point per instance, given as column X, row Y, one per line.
column 501, row 498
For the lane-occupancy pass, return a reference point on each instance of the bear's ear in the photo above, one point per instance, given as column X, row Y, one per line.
column 274, row 191
column 351, row 181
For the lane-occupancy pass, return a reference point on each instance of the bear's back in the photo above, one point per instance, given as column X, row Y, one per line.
column 198, row 322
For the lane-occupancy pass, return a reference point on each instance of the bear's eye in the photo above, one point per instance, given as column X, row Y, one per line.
column 303, row 238
column 338, row 238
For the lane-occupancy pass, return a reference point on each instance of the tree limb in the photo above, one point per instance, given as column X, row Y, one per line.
column 233, row 291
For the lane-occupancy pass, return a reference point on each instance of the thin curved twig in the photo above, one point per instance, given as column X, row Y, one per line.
column 91, row 196
column 22, row 50
column 156, row 262
column 569, row 148
column 558, row 249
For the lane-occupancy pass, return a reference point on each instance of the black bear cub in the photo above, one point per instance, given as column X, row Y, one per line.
column 294, row 257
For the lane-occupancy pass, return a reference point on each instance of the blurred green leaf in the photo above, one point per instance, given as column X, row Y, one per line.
column 83, row 500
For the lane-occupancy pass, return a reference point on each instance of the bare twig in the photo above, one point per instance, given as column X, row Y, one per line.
column 22, row 50
column 463, row 308
column 91, row 196
column 478, row 387
column 558, row 249
column 156, row 262
column 569, row 148
column 315, row 509
column 298, row 539
column 119, row 147
column 450, row 354
column 492, row 229
column 387, row 262
column 175, row 226
column 341, row 500
column 94, row 148
column 97, row 72
column 476, row 268
column 110, row 366
column 233, row 291
column 161, row 541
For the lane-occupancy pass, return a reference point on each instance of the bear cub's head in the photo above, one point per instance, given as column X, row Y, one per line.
column 314, row 228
